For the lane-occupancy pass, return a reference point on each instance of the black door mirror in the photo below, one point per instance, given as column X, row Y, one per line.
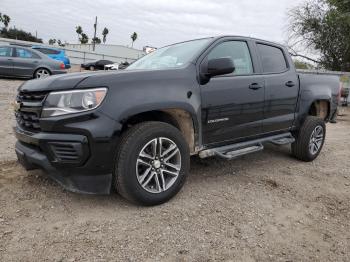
column 220, row 66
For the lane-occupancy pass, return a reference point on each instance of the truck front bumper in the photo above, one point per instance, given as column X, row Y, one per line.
column 66, row 158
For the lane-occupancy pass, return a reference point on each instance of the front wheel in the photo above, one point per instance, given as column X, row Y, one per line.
column 152, row 163
column 310, row 139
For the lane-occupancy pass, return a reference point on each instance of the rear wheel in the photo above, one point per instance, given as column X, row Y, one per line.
column 310, row 139
column 42, row 73
column 152, row 163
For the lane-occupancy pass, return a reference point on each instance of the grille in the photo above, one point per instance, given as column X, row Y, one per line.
column 30, row 109
column 68, row 152
column 31, row 97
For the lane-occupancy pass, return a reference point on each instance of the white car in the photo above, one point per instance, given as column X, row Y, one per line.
column 114, row 66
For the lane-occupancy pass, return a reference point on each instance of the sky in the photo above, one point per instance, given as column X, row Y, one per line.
column 157, row 22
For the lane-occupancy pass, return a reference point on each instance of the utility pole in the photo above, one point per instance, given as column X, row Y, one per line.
column 93, row 40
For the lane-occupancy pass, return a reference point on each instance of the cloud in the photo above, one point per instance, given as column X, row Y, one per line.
column 157, row 22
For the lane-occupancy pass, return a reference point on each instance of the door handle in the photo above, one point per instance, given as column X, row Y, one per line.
column 10, row 59
column 255, row 86
column 290, row 84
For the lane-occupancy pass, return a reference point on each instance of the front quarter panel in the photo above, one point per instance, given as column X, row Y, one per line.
column 133, row 92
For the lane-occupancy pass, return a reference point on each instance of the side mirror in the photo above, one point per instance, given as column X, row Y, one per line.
column 220, row 66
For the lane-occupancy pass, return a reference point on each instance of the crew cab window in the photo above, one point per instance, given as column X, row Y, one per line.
column 272, row 58
column 5, row 51
column 239, row 53
column 24, row 53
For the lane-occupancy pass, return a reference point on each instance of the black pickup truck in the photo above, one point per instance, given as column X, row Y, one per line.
column 133, row 131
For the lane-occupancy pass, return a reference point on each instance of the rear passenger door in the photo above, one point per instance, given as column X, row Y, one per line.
column 281, row 88
column 6, row 61
column 25, row 62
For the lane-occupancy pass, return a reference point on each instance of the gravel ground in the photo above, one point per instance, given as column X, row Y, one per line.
column 262, row 207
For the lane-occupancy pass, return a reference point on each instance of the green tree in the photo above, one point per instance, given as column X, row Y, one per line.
column 52, row 41
column 96, row 40
column 105, row 33
column 79, row 31
column 59, row 42
column 14, row 33
column 84, row 39
column 5, row 19
column 324, row 26
column 133, row 38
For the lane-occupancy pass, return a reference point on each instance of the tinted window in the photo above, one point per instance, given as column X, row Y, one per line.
column 24, row 53
column 104, row 62
column 5, row 51
column 48, row 51
column 239, row 53
column 272, row 58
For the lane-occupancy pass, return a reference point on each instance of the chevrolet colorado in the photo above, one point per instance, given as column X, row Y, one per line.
column 133, row 131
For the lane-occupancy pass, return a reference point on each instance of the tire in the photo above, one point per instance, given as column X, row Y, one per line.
column 41, row 73
column 308, row 141
column 136, row 147
column 91, row 68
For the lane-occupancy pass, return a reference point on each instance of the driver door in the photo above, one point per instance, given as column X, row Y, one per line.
column 232, row 105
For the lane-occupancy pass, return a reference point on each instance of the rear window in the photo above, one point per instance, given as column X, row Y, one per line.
column 273, row 60
column 48, row 51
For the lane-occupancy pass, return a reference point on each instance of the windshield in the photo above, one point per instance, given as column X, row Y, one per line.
column 170, row 56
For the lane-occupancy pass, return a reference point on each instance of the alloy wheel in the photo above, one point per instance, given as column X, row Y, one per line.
column 158, row 165
column 316, row 140
column 42, row 73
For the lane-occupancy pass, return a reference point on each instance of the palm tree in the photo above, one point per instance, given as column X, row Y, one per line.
column 105, row 33
column 52, row 41
column 133, row 38
column 84, row 38
column 79, row 31
column 5, row 19
column 96, row 40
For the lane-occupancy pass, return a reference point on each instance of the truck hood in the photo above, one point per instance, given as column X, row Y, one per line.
column 96, row 79
column 57, row 82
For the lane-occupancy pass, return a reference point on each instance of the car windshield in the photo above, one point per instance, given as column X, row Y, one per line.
column 173, row 56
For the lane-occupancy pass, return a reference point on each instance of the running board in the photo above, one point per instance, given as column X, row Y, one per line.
column 235, row 150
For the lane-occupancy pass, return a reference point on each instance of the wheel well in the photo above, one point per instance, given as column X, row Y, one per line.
column 178, row 118
column 320, row 108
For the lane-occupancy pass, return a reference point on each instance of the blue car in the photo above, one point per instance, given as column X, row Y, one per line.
column 54, row 53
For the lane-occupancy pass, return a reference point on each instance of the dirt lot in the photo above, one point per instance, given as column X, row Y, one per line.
column 262, row 207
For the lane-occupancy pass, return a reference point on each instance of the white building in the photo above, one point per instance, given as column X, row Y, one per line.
column 109, row 51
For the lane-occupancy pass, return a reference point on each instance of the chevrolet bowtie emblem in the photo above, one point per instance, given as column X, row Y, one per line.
column 16, row 105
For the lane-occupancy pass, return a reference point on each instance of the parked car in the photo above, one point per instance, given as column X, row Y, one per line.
column 133, row 131
column 96, row 65
column 20, row 61
column 54, row 53
column 114, row 66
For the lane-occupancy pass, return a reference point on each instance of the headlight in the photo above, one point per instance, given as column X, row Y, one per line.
column 74, row 101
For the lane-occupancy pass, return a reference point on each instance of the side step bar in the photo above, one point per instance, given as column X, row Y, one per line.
column 235, row 150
